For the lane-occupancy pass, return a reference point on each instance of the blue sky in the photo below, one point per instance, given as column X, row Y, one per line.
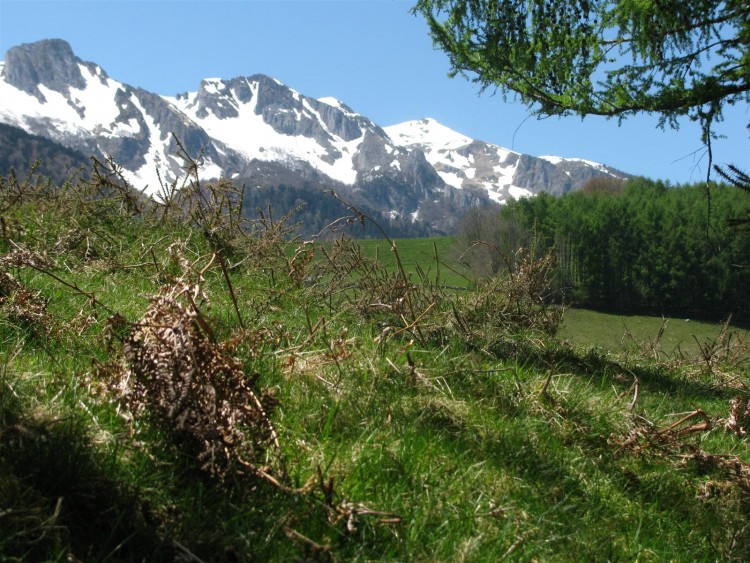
column 371, row 54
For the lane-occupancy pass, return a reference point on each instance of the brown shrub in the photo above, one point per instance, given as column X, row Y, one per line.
column 515, row 302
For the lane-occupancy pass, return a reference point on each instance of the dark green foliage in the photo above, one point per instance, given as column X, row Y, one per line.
column 646, row 247
column 741, row 180
column 72, row 495
column 601, row 57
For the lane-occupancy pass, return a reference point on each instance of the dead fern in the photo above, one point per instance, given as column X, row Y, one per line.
column 738, row 419
column 645, row 437
column 176, row 373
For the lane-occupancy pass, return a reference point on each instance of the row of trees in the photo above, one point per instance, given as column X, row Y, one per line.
column 641, row 246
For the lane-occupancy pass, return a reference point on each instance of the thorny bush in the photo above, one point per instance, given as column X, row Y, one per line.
column 507, row 303
column 399, row 302
column 512, row 302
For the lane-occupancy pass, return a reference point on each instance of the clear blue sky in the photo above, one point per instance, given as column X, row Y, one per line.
column 372, row 54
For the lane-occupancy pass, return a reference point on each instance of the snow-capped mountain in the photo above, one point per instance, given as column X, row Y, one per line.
column 255, row 129
column 466, row 163
column 47, row 91
column 461, row 161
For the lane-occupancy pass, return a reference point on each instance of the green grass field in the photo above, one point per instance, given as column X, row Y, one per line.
column 621, row 333
column 431, row 255
column 176, row 392
column 609, row 331
column 613, row 332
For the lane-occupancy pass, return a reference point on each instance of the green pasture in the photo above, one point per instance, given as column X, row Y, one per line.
column 435, row 257
column 662, row 337
column 393, row 422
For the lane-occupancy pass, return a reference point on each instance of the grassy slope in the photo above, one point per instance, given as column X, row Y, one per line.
column 429, row 444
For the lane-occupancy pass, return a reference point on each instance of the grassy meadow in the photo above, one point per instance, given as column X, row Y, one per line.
column 429, row 257
column 178, row 384
column 660, row 337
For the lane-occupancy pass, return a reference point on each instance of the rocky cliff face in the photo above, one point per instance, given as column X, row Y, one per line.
column 237, row 124
column 49, row 63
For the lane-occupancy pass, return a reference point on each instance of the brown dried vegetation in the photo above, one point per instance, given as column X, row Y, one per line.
column 176, row 372
column 195, row 377
column 516, row 302
column 23, row 306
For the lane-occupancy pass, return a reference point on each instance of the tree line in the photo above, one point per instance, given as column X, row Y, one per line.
column 640, row 246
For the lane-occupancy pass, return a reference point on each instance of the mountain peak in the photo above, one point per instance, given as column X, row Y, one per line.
column 49, row 63
column 427, row 131
column 57, row 47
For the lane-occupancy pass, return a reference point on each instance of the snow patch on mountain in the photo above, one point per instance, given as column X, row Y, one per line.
column 560, row 160
column 83, row 112
column 462, row 162
column 518, row 193
column 428, row 132
column 246, row 129
column 146, row 176
column 336, row 103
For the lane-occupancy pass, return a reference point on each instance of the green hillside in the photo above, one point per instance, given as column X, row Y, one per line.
column 432, row 257
column 177, row 383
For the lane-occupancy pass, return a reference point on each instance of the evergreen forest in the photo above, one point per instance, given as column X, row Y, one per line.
column 641, row 246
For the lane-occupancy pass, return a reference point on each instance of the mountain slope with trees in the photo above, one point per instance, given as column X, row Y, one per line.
column 20, row 151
